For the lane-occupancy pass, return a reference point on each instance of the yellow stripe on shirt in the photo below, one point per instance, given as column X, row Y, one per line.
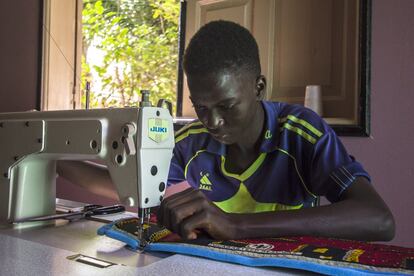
column 299, row 131
column 190, row 132
column 243, row 203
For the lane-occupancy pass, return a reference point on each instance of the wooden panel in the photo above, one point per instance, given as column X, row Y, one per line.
column 316, row 43
column 60, row 59
column 305, row 44
column 239, row 11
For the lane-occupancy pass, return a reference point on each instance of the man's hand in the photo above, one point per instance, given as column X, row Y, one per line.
column 189, row 211
column 360, row 214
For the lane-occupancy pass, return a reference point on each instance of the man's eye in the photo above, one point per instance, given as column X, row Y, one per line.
column 227, row 106
column 199, row 107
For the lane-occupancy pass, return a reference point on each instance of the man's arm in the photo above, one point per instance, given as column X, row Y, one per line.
column 360, row 214
column 91, row 176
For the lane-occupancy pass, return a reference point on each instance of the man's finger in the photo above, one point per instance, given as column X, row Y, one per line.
column 170, row 205
column 163, row 211
column 181, row 206
column 181, row 212
column 189, row 226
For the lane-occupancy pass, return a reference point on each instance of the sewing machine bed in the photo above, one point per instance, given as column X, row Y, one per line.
column 47, row 250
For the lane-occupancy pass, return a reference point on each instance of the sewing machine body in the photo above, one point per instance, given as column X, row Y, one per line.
column 134, row 143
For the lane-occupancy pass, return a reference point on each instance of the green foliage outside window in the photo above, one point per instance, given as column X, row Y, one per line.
column 138, row 41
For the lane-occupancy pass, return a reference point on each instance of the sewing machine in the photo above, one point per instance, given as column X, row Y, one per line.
column 134, row 143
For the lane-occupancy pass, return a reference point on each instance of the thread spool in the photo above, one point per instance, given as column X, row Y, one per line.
column 313, row 98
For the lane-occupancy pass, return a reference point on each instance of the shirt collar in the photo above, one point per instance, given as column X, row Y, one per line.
column 270, row 138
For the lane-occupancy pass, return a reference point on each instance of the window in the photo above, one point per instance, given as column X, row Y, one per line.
column 119, row 48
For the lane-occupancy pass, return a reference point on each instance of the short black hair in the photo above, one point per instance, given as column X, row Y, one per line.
column 222, row 45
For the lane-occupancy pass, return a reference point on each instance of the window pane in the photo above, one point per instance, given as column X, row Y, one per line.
column 128, row 46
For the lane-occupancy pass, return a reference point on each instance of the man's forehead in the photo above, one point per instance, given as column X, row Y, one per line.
column 212, row 100
column 231, row 71
column 221, row 84
column 215, row 93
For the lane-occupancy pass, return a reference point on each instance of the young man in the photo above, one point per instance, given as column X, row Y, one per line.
column 256, row 168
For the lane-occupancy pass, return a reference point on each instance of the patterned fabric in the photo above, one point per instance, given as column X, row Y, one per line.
column 322, row 255
column 301, row 158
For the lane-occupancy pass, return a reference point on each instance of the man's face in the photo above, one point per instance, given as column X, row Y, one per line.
column 226, row 103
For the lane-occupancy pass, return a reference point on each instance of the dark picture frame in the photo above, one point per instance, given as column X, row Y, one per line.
column 363, row 127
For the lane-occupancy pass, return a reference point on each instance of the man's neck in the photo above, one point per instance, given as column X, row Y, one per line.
column 252, row 140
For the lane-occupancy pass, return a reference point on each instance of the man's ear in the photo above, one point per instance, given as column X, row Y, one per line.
column 260, row 87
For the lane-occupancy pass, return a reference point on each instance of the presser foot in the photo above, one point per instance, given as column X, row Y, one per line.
column 142, row 236
column 142, row 231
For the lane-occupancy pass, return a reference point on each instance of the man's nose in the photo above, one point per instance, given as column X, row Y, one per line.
column 214, row 120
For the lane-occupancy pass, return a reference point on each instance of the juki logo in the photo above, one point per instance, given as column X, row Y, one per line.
column 158, row 129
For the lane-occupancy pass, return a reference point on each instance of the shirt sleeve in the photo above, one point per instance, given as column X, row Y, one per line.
column 176, row 173
column 333, row 170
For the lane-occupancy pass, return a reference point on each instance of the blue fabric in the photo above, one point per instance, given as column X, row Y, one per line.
column 304, row 160
column 181, row 248
column 110, row 231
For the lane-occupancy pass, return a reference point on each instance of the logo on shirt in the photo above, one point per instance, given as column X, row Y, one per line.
column 205, row 183
column 268, row 134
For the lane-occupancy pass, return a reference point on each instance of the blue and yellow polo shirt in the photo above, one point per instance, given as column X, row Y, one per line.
column 301, row 158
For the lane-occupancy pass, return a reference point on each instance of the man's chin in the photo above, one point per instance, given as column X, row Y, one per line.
column 224, row 139
column 227, row 143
